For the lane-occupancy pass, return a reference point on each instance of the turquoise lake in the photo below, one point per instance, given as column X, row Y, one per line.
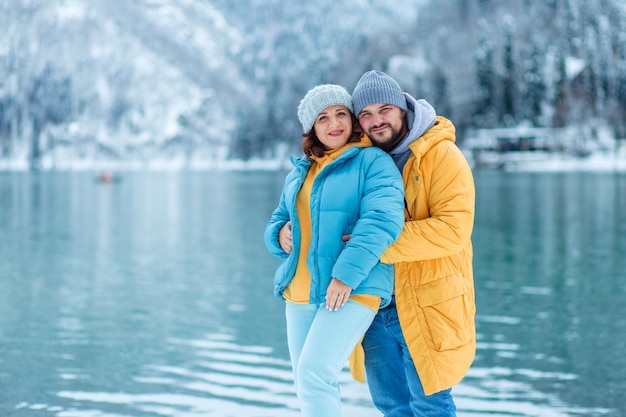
column 152, row 296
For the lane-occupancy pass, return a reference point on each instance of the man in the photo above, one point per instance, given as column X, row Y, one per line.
column 424, row 342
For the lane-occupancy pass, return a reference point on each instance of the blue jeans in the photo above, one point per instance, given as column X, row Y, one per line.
column 320, row 342
column 393, row 381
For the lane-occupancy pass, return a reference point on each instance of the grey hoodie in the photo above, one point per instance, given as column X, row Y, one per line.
column 420, row 117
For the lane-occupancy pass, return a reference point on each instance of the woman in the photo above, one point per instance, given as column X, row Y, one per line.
column 340, row 186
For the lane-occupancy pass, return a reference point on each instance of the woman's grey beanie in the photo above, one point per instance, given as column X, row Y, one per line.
column 317, row 99
column 377, row 87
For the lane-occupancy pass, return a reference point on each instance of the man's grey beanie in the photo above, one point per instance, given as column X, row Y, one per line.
column 317, row 99
column 377, row 87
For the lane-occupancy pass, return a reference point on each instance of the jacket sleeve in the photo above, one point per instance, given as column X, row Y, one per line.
column 279, row 218
column 381, row 217
column 451, row 201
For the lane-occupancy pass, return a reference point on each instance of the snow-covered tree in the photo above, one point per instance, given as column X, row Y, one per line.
column 216, row 79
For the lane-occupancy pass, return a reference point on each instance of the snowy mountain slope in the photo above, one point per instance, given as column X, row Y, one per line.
column 196, row 81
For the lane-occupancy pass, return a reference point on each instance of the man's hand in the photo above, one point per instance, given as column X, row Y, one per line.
column 284, row 237
column 337, row 294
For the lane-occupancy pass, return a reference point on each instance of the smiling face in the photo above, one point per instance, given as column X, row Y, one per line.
column 384, row 124
column 333, row 126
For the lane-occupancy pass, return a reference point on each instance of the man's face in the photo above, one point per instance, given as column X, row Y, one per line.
column 384, row 124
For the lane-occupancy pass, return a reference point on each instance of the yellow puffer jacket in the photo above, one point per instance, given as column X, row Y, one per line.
column 434, row 284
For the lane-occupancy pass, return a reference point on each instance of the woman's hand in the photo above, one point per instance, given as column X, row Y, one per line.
column 337, row 294
column 284, row 237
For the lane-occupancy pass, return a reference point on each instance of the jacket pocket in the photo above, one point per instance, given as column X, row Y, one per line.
column 448, row 311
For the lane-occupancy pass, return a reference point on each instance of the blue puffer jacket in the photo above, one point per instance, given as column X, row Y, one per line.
column 361, row 194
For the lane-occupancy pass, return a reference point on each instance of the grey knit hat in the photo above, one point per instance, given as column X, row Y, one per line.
column 377, row 87
column 317, row 99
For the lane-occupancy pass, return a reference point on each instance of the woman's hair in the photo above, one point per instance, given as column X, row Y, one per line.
column 312, row 146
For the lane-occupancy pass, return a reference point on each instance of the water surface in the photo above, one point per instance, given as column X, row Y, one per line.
column 152, row 296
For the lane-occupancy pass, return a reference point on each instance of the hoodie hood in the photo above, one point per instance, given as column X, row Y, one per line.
column 421, row 117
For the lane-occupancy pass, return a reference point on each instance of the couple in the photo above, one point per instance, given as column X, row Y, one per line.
column 377, row 253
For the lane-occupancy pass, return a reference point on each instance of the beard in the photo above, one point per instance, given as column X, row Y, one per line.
column 388, row 139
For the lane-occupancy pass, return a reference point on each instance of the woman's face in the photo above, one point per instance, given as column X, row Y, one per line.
column 333, row 126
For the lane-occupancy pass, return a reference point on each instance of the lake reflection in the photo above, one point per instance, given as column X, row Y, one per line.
column 153, row 297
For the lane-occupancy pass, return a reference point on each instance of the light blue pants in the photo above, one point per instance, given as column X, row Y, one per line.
column 320, row 343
